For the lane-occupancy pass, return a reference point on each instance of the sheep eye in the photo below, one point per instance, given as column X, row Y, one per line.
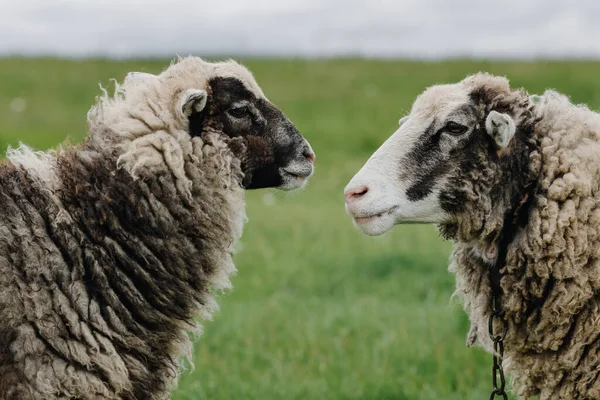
column 239, row 112
column 455, row 128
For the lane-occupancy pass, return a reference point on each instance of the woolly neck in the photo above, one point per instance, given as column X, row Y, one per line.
column 149, row 258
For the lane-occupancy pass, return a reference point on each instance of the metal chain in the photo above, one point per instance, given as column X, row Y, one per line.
column 498, row 340
column 497, row 323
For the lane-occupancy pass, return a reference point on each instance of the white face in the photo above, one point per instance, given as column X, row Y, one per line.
column 385, row 202
column 403, row 180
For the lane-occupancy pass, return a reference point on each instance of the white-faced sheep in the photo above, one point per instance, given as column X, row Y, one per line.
column 110, row 249
column 469, row 156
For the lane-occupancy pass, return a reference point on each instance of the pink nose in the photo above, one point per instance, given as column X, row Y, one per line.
column 310, row 156
column 353, row 194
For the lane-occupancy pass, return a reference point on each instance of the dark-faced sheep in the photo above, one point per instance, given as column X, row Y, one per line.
column 110, row 249
column 479, row 159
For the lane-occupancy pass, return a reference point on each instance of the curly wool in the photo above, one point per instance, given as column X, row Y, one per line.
column 109, row 250
column 551, row 279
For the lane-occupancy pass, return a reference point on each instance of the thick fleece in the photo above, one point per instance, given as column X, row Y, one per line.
column 109, row 250
column 551, row 281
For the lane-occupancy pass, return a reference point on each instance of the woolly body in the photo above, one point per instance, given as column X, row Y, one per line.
column 551, row 282
column 110, row 249
column 464, row 159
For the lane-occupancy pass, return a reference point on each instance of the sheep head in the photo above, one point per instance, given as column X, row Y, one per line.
column 459, row 158
column 196, row 97
column 276, row 153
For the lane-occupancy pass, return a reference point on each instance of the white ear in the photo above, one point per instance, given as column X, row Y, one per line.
column 501, row 127
column 193, row 100
column 402, row 120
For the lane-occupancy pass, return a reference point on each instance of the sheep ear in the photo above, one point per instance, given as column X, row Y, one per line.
column 402, row 120
column 500, row 127
column 193, row 101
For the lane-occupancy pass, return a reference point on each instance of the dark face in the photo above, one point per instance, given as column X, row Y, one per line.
column 276, row 153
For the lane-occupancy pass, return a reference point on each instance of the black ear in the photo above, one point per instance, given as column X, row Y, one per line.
column 193, row 106
column 196, row 121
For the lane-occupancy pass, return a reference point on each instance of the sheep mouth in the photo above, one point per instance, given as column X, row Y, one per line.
column 371, row 217
column 375, row 224
column 290, row 177
column 294, row 177
column 305, row 173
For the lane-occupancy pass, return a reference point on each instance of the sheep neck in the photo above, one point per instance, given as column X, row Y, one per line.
column 147, row 261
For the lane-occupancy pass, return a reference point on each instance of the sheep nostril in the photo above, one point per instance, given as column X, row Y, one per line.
column 310, row 156
column 355, row 194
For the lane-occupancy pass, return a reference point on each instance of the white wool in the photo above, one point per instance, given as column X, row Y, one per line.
column 153, row 151
column 144, row 103
column 40, row 164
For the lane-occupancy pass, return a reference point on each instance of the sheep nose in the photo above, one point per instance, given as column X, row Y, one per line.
column 353, row 194
column 309, row 155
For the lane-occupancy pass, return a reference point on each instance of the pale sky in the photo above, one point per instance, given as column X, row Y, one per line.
column 385, row 28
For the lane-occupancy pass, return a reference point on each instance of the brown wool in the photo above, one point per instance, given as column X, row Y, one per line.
column 110, row 250
column 551, row 280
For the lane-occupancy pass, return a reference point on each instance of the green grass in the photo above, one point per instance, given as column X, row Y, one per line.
column 318, row 310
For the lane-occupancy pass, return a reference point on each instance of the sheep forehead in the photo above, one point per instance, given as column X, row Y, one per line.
column 485, row 80
column 231, row 69
column 440, row 100
column 196, row 72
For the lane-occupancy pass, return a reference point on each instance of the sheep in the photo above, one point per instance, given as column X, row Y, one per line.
column 110, row 249
column 479, row 158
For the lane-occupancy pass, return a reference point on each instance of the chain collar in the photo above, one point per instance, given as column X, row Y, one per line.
column 497, row 323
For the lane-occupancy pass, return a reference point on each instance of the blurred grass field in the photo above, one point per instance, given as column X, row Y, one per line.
column 318, row 310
